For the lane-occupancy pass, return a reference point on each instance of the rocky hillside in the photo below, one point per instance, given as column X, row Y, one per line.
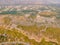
column 30, row 25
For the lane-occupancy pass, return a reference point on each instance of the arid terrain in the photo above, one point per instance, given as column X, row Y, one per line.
column 30, row 25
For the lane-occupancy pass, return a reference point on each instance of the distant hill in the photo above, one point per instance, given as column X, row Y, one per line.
column 14, row 2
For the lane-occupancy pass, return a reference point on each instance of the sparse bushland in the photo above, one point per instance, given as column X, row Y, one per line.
column 7, row 35
column 34, row 31
column 38, row 28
